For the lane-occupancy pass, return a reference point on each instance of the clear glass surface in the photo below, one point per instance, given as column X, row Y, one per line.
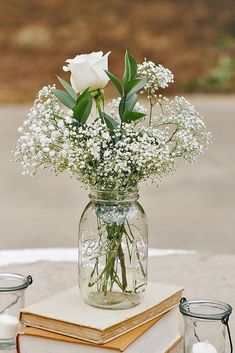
column 113, row 250
column 204, row 330
column 12, row 296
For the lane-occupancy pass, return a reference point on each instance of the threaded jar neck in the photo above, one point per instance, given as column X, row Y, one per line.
column 114, row 196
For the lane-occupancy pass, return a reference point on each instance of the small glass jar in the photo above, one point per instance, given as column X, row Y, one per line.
column 12, row 294
column 206, row 323
column 113, row 250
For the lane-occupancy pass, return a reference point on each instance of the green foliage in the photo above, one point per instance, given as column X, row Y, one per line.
column 83, row 107
column 133, row 65
column 68, row 88
column 131, row 102
column 127, row 104
column 122, row 106
column 128, row 89
column 111, row 125
column 115, row 81
column 134, row 86
column 83, row 95
column 131, row 86
column 130, row 69
column 65, row 98
column 129, row 117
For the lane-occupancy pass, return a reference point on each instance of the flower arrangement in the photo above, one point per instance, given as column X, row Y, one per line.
column 111, row 149
column 71, row 130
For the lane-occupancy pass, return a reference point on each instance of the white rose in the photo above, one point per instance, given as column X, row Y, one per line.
column 87, row 70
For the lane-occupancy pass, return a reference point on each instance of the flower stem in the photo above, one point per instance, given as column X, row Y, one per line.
column 150, row 113
column 123, row 267
column 99, row 99
column 152, row 101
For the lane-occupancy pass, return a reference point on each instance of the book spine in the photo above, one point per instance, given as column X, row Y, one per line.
column 18, row 343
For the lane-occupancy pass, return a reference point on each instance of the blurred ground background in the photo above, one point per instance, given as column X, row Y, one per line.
column 194, row 208
column 194, row 38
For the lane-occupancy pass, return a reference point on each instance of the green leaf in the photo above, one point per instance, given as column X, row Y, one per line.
column 132, row 116
column 111, row 125
column 127, row 70
column 110, row 122
column 135, row 85
column 127, row 104
column 82, row 109
column 79, row 109
column 131, row 102
column 130, row 69
column 83, row 95
column 68, row 88
column 65, row 98
column 133, row 65
column 122, row 106
column 115, row 81
column 87, row 111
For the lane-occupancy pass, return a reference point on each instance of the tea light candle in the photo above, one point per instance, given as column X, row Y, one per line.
column 8, row 326
column 203, row 347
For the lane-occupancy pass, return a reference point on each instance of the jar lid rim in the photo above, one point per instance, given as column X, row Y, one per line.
column 225, row 308
column 25, row 281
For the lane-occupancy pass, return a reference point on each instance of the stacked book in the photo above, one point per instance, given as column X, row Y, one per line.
column 63, row 323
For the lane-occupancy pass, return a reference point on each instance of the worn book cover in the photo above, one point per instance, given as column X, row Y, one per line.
column 66, row 313
column 161, row 332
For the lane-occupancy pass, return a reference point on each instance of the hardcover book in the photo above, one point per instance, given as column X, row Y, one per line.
column 157, row 335
column 67, row 314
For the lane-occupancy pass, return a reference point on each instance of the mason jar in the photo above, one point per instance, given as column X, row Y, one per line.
column 206, row 326
column 12, row 296
column 113, row 250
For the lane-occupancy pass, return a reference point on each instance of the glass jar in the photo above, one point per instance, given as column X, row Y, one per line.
column 206, row 324
column 12, row 295
column 113, row 250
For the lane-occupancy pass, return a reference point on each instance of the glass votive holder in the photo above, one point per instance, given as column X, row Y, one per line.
column 205, row 326
column 12, row 295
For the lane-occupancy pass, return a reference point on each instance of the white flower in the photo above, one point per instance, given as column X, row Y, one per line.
column 87, row 70
column 68, row 120
column 61, row 124
column 157, row 76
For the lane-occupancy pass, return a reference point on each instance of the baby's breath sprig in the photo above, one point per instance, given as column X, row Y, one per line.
column 157, row 77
